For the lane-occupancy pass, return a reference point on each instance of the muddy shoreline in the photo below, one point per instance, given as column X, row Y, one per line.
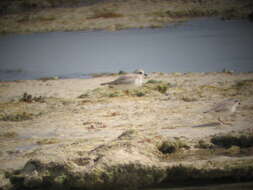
column 74, row 133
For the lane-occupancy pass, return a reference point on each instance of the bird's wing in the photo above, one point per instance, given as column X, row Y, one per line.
column 127, row 79
column 220, row 107
column 217, row 108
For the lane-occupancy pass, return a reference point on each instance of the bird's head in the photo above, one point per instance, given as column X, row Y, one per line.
column 237, row 102
column 140, row 72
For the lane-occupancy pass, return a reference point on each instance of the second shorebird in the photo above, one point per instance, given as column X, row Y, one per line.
column 227, row 107
column 128, row 81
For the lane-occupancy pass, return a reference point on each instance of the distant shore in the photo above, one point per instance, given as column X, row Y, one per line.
column 41, row 16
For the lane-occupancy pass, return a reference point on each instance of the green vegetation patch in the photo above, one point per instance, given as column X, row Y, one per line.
column 244, row 87
column 223, row 9
column 57, row 176
column 29, row 98
column 191, row 12
column 105, row 13
column 48, row 176
column 127, row 176
column 95, row 75
column 232, row 13
column 44, row 79
column 205, row 145
column 17, row 116
column 152, row 81
column 172, row 146
column 128, row 134
column 244, row 83
column 47, row 141
column 139, row 92
column 34, row 18
column 243, row 141
column 16, row 6
column 149, row 88
column 228, row 145
column 157, row 85
column 103, row 93
column 206, row 90
column 122, row 72
column 9, row 135
column 4, row 181
column 230, row 171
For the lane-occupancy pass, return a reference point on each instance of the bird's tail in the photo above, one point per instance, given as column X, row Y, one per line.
column 104, row 83
column 207, row 111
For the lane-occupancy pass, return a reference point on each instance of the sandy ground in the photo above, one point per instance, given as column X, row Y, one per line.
column 64, row 126
column 69, row 119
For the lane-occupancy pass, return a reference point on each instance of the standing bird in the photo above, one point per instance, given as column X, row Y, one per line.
column 228, row 106
column 128, row 81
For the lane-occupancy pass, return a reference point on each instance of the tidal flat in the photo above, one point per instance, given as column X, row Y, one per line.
column 77, row 134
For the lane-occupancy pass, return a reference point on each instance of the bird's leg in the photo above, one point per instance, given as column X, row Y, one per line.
column 223, row 122
column 233, row 116
column 127, row 92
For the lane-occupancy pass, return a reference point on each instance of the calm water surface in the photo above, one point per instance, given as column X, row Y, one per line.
column 196, row 46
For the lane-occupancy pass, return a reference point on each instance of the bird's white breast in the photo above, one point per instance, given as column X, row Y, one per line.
column 233, row 108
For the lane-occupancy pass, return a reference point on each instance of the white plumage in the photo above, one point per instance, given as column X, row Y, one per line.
column 127, row 81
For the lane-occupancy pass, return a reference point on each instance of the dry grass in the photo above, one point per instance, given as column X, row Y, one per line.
column 105, row 13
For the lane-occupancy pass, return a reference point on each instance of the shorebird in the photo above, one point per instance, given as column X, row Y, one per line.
column 227, row 107
column 128, row 81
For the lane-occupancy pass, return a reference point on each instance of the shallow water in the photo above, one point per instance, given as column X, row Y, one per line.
column 200, row 45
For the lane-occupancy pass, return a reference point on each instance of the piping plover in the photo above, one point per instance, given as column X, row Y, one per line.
column 227, row 107
column 128, row 81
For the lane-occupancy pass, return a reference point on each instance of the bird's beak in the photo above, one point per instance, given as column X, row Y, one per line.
column 145, row 75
